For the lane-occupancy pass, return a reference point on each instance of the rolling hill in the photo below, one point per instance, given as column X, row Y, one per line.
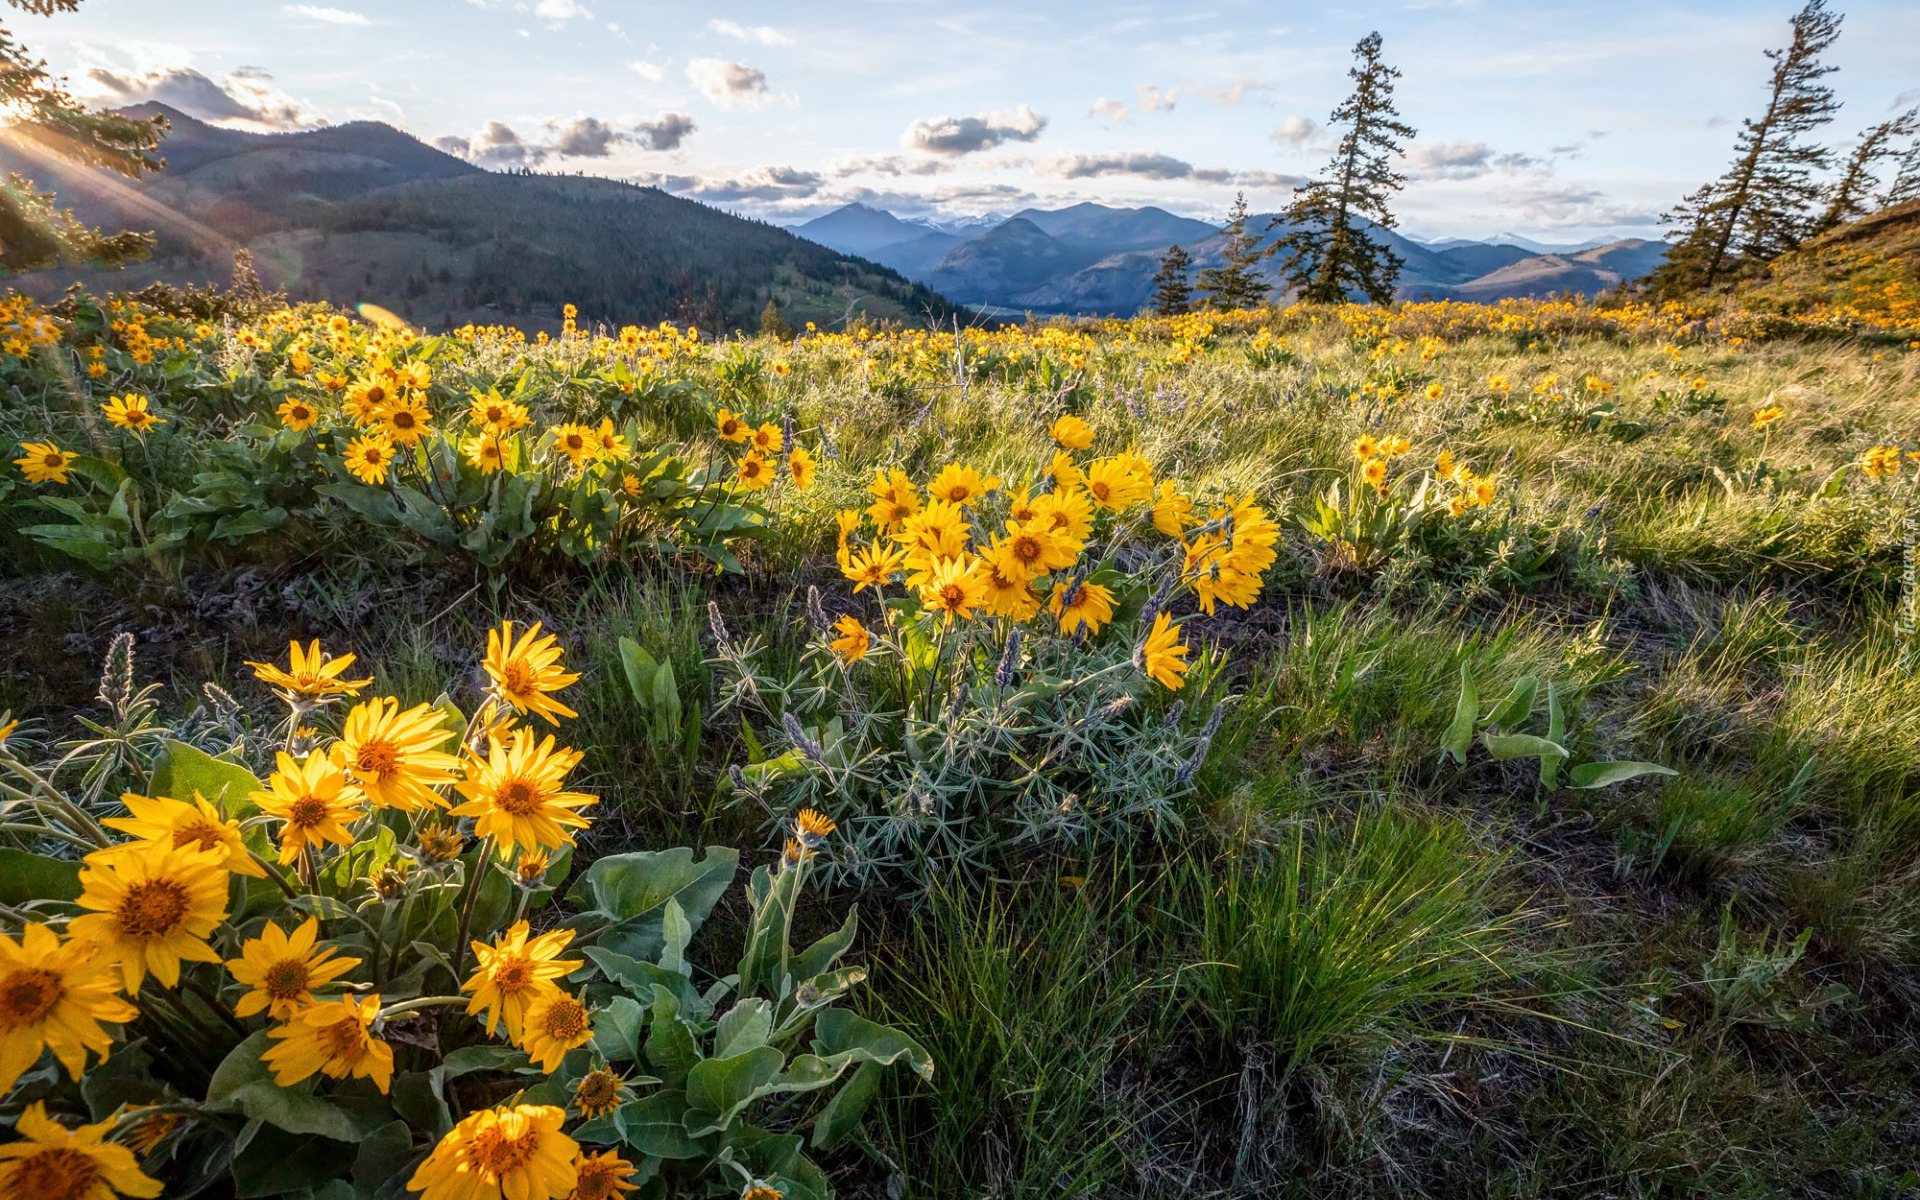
column 364, row 212
column 1094, row 260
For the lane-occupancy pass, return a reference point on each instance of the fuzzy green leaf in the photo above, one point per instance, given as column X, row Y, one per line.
column 1504, row 746
column 1459, row 736
column 1606, row 774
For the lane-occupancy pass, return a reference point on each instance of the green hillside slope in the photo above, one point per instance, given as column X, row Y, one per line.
column 363, row 212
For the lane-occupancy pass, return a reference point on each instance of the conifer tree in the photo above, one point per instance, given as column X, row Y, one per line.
column 1233, row 283
column 1851, row 196
column 774, row 323
column 1172, row 294
column 1763, row 205
column 1330, row 254
column 1906, row 179
column 45, row 119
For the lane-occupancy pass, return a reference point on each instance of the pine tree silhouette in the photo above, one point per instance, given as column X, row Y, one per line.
column 1172, row 294
column 1763, row 205
column 1330, row 254
column 1233, row 283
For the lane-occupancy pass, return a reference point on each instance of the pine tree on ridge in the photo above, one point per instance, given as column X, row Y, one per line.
column 1172, row 294
column 1233, row 284
column 1330, row 254
column 1762, row 207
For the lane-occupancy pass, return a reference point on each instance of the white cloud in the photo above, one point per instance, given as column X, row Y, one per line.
column 496, row 146
column 499, row 146
column 331, row 16
column 561, row 11
column 1109, row 110
column 1229, row 96
column 729, row 84
column 664, row 132
column 759, row 183
column 1462, row 160
column 1576, row 206
column 646, row 70
column 1152, row 99
column 950, row 137
column 245, row 99
column 886, row 164
column 766, row 35
column 1151, row 164
column 1295, row 132
column 583, row 137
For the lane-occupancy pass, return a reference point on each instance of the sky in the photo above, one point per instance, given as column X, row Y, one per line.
column 1558, row 121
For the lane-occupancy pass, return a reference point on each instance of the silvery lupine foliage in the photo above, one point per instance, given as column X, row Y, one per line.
column 1032, row 739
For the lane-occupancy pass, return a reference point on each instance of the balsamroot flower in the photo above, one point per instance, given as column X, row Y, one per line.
column 175, row 823
column 53, row 996
column 514, row 972
column 517, row 1152
column 153, row 906
column 283, row 970
column 394, row 756
column 51, row 1162
column 1071, row 433
column 334, row 1038
column 527, row 671
column 516, row 796
column 310, row 675
column 555, row 1023
column 1164, row 656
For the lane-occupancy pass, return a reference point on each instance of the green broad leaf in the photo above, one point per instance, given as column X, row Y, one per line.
column 1518, row 705
column 1835, row 484
column 108, row 475
column 764, row 960
column 672, row 1051
column 675, row 932
column 842, row 1114
column 183, row 772
column 837, row 1031
column 417, row 1096
column 243, row 1084
column 810, row 1072
column 468, row 1059
column 1459, row 736
column 617, row 1029
column 657, row 1125
column 1606, row 774
column 126, row 1077
column 370, row 502
column 718, row 1089
column 824, row 953
column 746, row 1026
column 1504, row 746
column 425, row 517
column 666, row 700
column 25, row 877
column 639, row 667
column 1556, row 732
column 640, row 978
column 633, row 889
column 380, row 1167
column 768, row 1155
column 276, row 1163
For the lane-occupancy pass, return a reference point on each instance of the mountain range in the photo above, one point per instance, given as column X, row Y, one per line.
column 364, row 212
column 1092, row 259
